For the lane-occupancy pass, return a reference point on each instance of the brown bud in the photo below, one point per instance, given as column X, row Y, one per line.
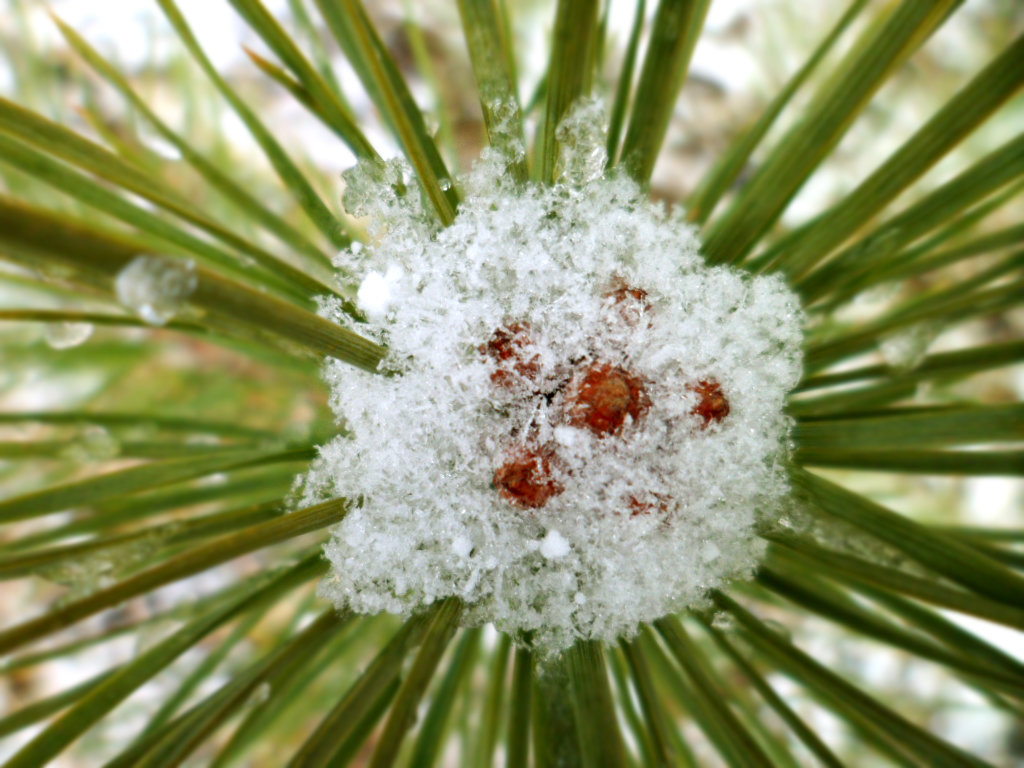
column 509, row 346
column 526, row 478
column 630, row 302
column 605, row 397
column 658, row 506
column 713, row 405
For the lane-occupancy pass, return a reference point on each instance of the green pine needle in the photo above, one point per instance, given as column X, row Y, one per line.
column 148, row 472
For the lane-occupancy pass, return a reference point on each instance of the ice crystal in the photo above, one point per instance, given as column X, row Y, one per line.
column 905, row 349
column 156, row 288
column 582, row 155
column 94, row 444
column 583, row 421
column 67, row 334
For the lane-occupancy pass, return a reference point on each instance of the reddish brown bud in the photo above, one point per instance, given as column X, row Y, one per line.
column 526, row 478
column 713, row 405
column 630, row 302
column 605, row 397
column 507, row 342
column 511, row 343
column 659, row 506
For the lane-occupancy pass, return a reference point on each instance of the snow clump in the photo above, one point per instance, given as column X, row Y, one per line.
column 581, row 422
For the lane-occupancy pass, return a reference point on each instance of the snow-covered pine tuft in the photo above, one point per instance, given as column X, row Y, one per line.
column 585, row 421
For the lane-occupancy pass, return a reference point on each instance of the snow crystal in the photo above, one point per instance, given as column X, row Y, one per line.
column 554, row 546
column 375, row 292
column 583, row 422
column 462, row 546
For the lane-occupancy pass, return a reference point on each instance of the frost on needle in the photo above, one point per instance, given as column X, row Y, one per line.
column 585, row 421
